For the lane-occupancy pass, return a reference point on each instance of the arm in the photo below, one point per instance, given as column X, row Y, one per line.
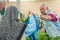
column 45, row 17
column 49, row 17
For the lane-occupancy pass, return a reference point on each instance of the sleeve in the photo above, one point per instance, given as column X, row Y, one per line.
column 53, row 17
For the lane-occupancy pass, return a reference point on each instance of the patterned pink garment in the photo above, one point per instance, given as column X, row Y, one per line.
column 54, row 19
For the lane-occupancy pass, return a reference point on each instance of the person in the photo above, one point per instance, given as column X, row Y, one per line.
column 49, row 21
column 2, row 9
column 32, row 27
column 11, row 29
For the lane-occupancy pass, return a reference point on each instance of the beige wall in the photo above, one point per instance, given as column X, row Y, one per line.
column 9, row 4
column 34, row 6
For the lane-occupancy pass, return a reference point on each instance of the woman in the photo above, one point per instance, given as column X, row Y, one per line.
column 32, row 27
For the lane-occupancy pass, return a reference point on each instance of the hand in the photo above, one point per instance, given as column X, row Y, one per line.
column 30, row 13
column 45, row 17
column 18, row 19
column 41, row 16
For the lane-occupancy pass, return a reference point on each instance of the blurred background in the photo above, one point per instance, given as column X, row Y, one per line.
column 25, row 5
